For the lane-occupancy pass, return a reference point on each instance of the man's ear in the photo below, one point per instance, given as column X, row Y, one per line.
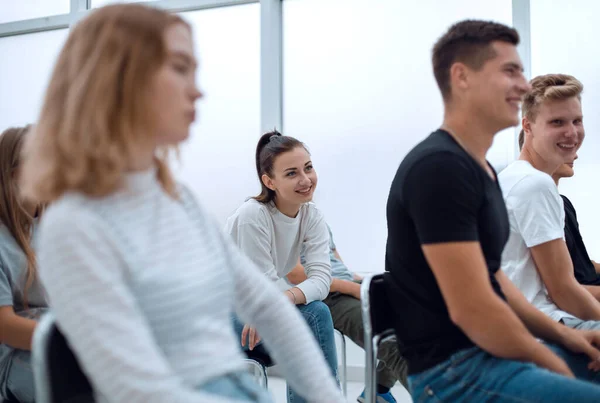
column 459, row 76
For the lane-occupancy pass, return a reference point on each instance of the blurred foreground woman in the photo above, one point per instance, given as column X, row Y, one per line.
column 141, row 279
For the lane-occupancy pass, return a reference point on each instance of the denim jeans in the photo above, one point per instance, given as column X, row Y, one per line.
column 239, row 387
column 18, row 384
column 579, row 324
column 319, row 321
column 472, row 375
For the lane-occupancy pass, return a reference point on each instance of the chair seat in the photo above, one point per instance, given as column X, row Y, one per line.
column 260, row 355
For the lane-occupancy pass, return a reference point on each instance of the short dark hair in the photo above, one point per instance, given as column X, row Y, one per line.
column 467, row 42
column 270, row 146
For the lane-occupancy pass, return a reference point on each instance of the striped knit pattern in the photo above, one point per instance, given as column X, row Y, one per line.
column 143, row 286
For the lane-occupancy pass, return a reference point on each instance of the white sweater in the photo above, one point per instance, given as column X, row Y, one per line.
column 144, row 287
column 273, row 241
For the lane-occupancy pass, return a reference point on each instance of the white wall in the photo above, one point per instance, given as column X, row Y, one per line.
column 359, row 91
column 100, row 3
column 564, row 39
column 217, row 162
column 27, row 63
column 11, row 10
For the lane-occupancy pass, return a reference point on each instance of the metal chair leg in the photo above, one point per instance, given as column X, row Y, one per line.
column 265, row 377
column 259, row 372
column 369, row 372
column 344, row 374
column 374, row 372
column 344, row 377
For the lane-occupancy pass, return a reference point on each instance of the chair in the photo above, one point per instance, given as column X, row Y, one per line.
column 378, row 327
column 57, row 375
column 344, row 373
column 259, row 360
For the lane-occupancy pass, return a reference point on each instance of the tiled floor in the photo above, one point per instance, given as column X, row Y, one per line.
column 278, row 390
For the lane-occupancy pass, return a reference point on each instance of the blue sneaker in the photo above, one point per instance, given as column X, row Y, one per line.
column 379, row 398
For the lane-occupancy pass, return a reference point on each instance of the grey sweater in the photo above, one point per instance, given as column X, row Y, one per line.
column 144, row 286
column 13, row 266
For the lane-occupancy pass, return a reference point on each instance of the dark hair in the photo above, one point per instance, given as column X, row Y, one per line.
column 270, row 146
column 521, row 139
column 467, row 42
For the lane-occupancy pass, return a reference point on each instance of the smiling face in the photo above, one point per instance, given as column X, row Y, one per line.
column 566, row 170
column 495, row 91
column 557, row 131
column 293, row 178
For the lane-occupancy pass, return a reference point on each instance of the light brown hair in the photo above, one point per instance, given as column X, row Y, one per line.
column 13, row 215
column 548, row 87
column 95, row 113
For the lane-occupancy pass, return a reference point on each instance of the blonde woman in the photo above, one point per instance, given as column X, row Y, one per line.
column 142, row 281
column 21, row 296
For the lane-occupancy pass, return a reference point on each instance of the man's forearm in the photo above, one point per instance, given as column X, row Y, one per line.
column 576, row 300
column 345, row 287
column 594, row 290
column 555, row 267
column 538, row 323
column 496, row 328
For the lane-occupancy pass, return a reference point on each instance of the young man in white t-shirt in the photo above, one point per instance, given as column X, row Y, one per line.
column 536, row 257
column 586, row 270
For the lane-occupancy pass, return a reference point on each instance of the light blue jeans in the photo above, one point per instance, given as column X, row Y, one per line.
column 18, row 384
column 472, row 375
column 579, row 324
column 318, row 318
column 237, row 386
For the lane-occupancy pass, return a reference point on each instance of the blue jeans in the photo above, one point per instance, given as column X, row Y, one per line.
column 579, row 324
column 238, row 387
column 318, row 318
column 18, row 384
column 472, row 375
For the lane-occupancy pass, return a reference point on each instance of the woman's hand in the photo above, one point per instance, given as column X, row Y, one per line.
column 249, row 333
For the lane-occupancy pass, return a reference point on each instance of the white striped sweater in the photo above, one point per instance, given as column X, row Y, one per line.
column 143, row 287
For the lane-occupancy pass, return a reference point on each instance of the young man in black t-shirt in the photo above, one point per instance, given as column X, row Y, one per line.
column 586, row 270
column 463, row 327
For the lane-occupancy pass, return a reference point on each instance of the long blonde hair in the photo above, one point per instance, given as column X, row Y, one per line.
column 13, row 214
column 95, row 113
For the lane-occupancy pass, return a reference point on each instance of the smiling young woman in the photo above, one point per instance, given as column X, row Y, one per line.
column 274, row 227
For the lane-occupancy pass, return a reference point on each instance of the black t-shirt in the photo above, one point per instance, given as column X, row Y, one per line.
column 439, row 194
column 585, row 272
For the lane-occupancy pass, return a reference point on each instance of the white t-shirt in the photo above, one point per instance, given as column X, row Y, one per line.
column 273, row 241
column 536, row 214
